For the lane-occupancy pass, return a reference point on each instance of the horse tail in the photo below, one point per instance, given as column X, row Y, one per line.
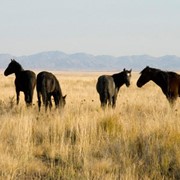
column 38, row 94
column 44, row 93
column 31, row 91
column 105, row 91
column 102, row 89
column 39, row 88
column 39, row 99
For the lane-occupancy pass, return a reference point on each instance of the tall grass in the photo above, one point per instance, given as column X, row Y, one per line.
column 140, row 139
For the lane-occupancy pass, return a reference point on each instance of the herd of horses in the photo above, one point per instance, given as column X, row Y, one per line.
column 107, row 86
column 46, row 84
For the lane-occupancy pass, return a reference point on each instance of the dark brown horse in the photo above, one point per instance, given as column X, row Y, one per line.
column 169, row 82
column 108, row 87
column 47, row 86
column 25, row 80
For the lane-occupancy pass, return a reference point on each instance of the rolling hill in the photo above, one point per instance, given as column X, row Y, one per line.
column 56, row 60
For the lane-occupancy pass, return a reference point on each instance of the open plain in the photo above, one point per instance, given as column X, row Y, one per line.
column 139, row 139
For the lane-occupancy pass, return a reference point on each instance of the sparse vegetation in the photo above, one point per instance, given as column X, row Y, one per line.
column 140, row 139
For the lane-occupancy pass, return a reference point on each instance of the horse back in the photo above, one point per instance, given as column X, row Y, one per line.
column 46, row 81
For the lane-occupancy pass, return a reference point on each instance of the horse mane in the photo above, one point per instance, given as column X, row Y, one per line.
column 118, row 81
column 17, row 64
column 173, row 73
column 150, row 69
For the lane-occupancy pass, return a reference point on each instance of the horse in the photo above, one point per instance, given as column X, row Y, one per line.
column 108, row 87
column 47, row 85
column 168, row 81
column 25, row 81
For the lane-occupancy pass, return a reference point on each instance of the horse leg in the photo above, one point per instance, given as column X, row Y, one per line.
column 31, row 95
column 104, row 98
column 17, row 96
column 56, row 100
column 45, row 99
column 50, row 104
column 28, row 98
column 39, row 100
column 46, row 104
column 114, row 101
column 110, row 100
column 49, row 101
column 103, row 101
column 171, row 101
column 172, row 98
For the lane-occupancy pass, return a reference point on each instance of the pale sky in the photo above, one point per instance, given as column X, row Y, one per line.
column 99, row 27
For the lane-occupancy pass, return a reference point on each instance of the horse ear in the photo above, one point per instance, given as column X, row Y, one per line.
column 130, row 70
column 149, row 69
column 64, row 97
column 124, row 69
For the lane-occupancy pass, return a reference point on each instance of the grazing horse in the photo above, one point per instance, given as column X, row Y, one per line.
column 47, row 86
column 25, row 81
column 169, row 82
column 108, row 87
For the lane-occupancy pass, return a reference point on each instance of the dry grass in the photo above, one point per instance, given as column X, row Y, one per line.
column 140, row 139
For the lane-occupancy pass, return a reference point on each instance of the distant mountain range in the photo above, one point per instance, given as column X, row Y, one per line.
column 56, row 60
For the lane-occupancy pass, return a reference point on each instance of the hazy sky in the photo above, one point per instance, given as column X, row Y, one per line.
column 108, row 27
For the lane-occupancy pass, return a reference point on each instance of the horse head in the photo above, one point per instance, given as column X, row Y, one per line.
column 127, row 76
column 13, row 67
column 146, row 76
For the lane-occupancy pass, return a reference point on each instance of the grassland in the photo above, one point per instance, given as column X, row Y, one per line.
column 140, row 139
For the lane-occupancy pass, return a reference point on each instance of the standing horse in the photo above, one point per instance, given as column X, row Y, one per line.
column 108, row 87
column 169, row 82
column 25, row 81
column 47, row 86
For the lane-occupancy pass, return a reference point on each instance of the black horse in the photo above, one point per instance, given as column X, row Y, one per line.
column 108, row 87
column 169, row 82
column 25, row 80
column 47, row 86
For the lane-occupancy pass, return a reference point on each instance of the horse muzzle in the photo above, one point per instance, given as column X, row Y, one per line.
column 139, row 84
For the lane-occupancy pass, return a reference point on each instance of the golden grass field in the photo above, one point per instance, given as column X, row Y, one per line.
column 140, row 139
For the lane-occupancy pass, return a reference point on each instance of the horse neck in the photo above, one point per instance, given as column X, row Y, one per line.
column 119, row 81
column 18, row 71
column 160, row 80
